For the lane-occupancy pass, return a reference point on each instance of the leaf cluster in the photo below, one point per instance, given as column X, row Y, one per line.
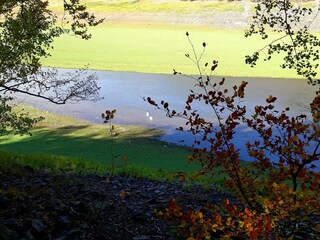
column 12, row 123
column 299, row 48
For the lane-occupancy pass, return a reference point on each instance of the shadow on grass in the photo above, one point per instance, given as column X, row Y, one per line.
column 94, row 144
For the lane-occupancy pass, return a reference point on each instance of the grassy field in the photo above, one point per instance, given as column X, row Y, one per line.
column 66, row 136
column 48, row 162
column 61, row 142
column 160, row 49
column 152, row 48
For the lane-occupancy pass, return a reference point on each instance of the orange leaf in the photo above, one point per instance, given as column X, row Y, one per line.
column 248, row 212
column 199, row 214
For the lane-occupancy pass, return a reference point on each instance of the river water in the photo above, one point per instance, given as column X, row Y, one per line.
column 125, row 92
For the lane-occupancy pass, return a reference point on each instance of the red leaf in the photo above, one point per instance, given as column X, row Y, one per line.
column 271, row 99
column 151, row 101
column 235, row 115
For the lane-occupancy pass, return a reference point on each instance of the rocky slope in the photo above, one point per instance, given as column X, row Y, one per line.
column 46, row 205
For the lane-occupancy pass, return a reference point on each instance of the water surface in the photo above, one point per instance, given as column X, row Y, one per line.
column 125, row 92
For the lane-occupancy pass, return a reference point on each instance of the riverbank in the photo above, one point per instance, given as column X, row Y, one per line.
column 62, row 142
column 71, row 137
column 125, row 92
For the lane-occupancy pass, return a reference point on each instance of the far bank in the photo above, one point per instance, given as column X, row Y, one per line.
column 162, row 48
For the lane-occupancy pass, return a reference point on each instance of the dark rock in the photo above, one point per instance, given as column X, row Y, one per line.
column 11, row 222
column 29, row 235
column 63, row 221
column 141, row 238
column 37, row 228
column 7, row 234
column 24, row 208
column 73, row 234
column 84, row 226
column 4, row 200
column 37, row 225
column 28, row 169
column 60, row 233
column 40, row 183
column 139, row 215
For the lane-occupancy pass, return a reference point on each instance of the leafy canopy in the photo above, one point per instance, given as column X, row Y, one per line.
column 27, row 31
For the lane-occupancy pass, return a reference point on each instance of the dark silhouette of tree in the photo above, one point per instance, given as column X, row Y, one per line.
column 27, row 31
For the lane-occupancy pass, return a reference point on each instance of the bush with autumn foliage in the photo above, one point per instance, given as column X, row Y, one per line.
column 277, row 192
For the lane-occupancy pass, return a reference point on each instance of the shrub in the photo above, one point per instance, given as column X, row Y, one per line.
column 278, row 190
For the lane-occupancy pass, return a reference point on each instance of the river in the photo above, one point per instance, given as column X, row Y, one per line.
column 125, row 92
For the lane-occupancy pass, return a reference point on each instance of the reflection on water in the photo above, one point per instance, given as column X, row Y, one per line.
column 125, row 92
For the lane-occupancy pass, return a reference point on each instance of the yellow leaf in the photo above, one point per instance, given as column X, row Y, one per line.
column 199, row 214
column 241, row 224
column 317, row 227
column 229, row 221
column 124, row 193
column 207, row 237
column 214, row 227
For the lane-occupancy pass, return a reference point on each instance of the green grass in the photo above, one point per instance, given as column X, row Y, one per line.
column 181, row 7
column 66, row 136
column 61, row 142
column 158, row 50
column 48, row 162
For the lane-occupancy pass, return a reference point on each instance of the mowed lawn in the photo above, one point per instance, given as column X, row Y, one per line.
column 62, row 142
column 159, row 49
column 70, row 137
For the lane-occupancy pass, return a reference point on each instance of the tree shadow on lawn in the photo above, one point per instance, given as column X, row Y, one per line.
column 89, row 143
